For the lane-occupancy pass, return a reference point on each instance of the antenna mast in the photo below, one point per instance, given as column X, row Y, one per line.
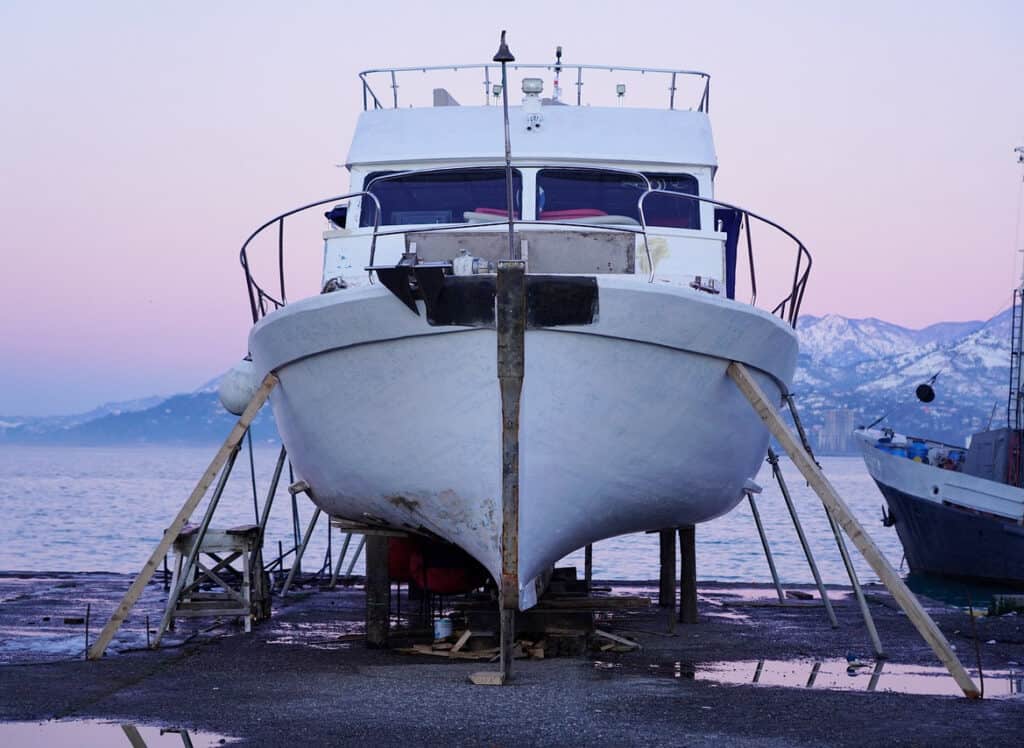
column 1015, row 401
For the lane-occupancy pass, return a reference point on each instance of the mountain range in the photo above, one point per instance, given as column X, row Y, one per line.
column 850, row 372
column 854, row 371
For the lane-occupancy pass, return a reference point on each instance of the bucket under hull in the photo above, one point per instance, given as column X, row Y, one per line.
column 400, row 424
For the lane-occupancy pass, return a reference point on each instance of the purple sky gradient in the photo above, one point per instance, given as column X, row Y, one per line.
column 141, row 142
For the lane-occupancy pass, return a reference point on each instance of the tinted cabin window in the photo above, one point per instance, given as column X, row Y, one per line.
column 464, row 196
column 609, row 197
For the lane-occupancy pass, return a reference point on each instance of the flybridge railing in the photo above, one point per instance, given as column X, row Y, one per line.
column 263, row 302
column 491, row 73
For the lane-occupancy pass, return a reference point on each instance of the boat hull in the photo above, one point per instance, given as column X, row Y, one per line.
column 946, row 520
column 629, row 424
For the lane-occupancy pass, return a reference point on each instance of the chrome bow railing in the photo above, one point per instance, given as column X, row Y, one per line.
column 789, row 307
column 263, row 302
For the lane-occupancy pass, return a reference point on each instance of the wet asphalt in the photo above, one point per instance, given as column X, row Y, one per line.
column 306, row 678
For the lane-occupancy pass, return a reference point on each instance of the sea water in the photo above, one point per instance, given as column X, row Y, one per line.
column 105, row 509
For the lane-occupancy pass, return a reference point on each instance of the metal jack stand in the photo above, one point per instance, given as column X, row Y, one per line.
column 336, row 572
column 773, row 460
column 862, row 602
column 764, row 544
column 295, row 489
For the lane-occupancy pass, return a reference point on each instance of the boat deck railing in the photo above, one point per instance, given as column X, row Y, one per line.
column 376, row 81
column 262, row 301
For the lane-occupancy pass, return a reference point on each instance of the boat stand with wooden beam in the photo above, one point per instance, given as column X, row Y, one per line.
column 227, row 452
column 841, row 514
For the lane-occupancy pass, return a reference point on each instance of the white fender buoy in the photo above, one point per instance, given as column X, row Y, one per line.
column 237, row 387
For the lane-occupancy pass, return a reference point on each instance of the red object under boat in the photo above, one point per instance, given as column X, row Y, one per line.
column 436, row 567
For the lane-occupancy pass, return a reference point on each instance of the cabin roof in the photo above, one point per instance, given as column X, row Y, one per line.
column 567, row 133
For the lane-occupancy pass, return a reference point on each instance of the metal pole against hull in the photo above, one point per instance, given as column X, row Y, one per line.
column 504, row 56
column 767, row 548
column 862, row 603
column 869, row 621
column 773, row 460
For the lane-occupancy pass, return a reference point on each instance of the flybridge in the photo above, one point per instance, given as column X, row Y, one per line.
column 479, row 84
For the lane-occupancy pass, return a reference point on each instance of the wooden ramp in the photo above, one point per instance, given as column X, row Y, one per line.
column 838, row 509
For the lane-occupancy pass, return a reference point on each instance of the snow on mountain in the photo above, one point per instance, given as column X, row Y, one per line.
column 13, row 426
column 842, row 341
column 871, row 368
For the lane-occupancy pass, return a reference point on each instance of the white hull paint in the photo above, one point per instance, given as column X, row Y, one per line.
column 628, row 424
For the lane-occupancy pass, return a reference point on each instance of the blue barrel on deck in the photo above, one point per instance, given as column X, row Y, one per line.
column 917, row 451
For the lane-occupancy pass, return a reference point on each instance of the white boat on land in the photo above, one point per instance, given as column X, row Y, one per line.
column 388, row 401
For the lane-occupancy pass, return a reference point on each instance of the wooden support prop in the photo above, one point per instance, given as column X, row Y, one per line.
column 588, row 566
column 510, row 305
column 462, row 640
column 688, row 574
column 171, row 533
column 378, row 591
column 842, row 514
column 667, row 568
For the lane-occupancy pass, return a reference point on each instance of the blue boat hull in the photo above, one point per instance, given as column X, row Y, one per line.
column 952, row 542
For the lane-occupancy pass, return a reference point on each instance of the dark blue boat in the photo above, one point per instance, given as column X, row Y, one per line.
column 951, row 523
column 959, row 512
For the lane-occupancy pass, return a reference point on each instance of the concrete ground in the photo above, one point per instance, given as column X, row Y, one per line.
column 306, row 678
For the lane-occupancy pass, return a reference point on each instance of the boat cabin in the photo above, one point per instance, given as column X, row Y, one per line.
column 596, row 189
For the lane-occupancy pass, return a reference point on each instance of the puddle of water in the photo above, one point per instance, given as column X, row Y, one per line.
column 838, row 675
column 89, row 734
column 766, row 595
column 728, row 615
column 329, row 634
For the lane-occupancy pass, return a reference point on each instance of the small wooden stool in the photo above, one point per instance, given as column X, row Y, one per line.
column 221, row 548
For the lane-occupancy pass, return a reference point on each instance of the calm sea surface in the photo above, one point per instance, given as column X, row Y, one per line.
column 105, row 508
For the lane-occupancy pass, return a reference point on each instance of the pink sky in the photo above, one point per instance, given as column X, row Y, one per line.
column 142, row 142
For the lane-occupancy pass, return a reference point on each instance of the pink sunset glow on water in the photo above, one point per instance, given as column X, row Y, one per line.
column 141, row 143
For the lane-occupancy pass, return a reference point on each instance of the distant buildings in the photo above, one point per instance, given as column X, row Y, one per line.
column 835, row 435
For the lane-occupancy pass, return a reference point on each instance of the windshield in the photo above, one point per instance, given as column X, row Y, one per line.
column 589, row 196
column 457, row 196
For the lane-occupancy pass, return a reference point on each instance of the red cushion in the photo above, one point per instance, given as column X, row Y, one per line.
column 493, row 212
column 557, row 215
